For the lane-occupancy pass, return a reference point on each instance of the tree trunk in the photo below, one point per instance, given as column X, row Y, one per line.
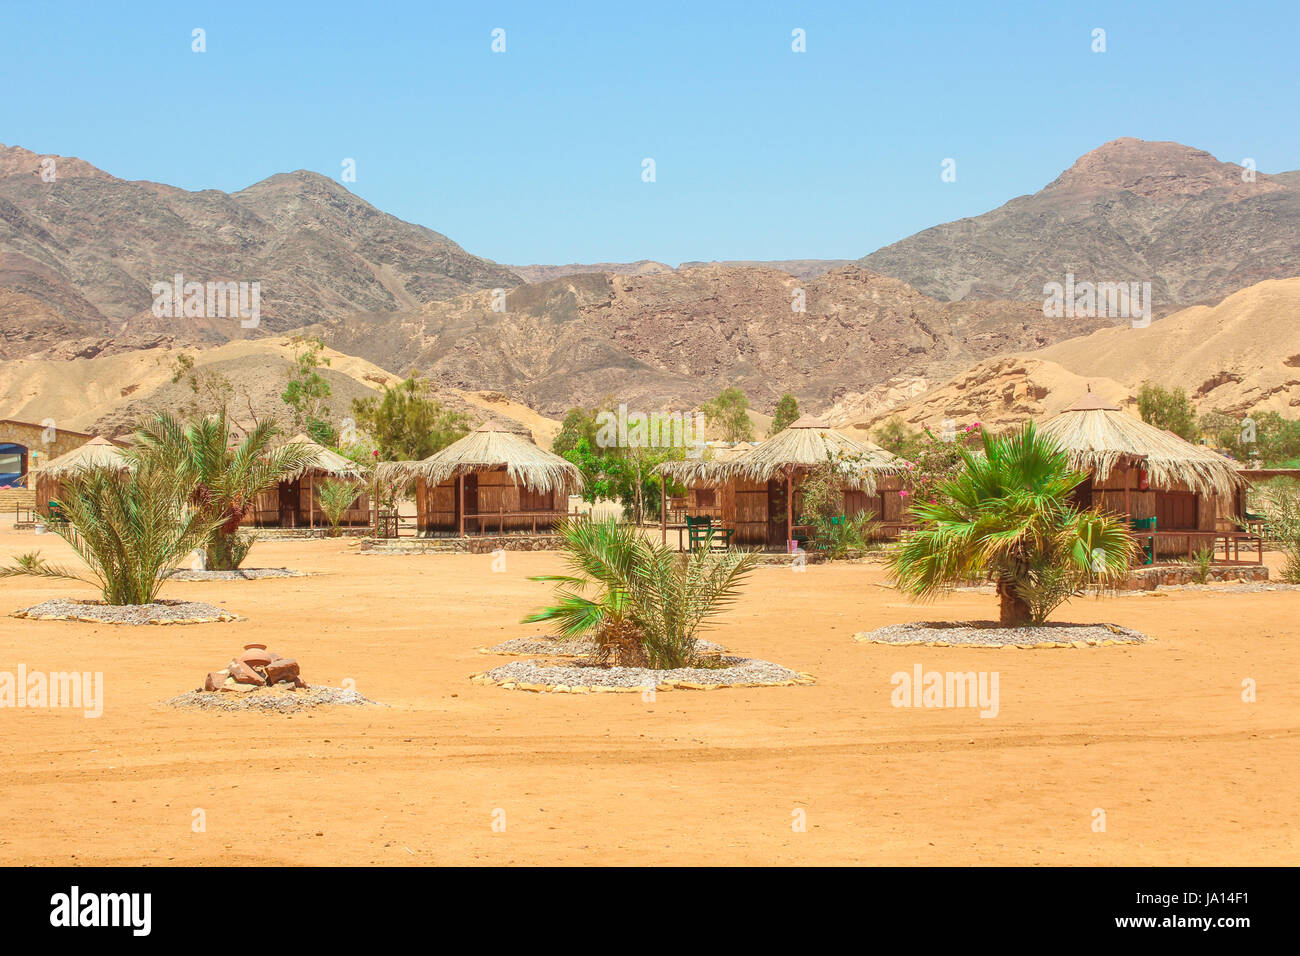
column 1015, row 609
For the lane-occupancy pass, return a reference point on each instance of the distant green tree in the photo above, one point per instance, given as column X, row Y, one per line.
column 578, row 423
column 307, row 392
column 894, row 436
column 406, row 424
column 787, row 413
column 1267, row 437
column 729, row 411
column 1169, row 409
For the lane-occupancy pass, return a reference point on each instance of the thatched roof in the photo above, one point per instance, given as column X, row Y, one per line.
column 98, row 452
column 707, row 469
column 808, row 443
column 1099, row 437
column 493, row 445
column 326, row 462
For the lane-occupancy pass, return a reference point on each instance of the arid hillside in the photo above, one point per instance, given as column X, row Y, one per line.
column 680, row 337
column 1240, row 355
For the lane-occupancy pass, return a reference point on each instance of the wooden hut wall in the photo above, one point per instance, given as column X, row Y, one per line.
column 744, row 507
column 488, row 494
column 358, row 512
column 435, row 507
column 1177, row 500
column 703, row 500
column 47, row 490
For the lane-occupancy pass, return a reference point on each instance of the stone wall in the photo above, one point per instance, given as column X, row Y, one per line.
column 475, row 545
column 1148, row 579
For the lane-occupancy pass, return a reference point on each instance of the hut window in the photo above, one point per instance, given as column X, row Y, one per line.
column 705, row 498
column 530, row 500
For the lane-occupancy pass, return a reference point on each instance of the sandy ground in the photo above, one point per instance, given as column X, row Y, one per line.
column 1157, row 736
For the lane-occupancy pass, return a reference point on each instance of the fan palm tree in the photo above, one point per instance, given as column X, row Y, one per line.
column 131, row 528
column 642, row 604
column 1006, row 517
column 222, row 477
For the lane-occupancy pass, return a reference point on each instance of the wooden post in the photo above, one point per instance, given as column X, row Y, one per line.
column 789, row 511
column 311, row 504
column 1128, row 511
column 460, row 497
column 663, row 509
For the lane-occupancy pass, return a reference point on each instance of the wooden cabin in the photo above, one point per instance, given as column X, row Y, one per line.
column 49, row 477
column 495, row 480
column 1140, row 471
column 749, row 492
column 294, row 502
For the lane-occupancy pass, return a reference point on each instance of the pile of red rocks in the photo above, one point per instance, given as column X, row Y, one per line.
column 256, row 668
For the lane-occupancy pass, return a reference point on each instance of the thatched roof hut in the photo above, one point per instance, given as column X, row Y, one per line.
column 47, row 479
column 1099, row 438
column 1186, row 493
column 326, row 462
column 492, row 446
column 708, row 468
column 294, row 502
column 494, row 477
column 96, row 453
column 809, row 443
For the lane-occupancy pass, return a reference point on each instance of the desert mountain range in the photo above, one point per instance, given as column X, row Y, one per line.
column 1129, row 211
column 946, row 323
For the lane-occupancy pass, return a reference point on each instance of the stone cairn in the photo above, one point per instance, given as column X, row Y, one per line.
column 255, row 668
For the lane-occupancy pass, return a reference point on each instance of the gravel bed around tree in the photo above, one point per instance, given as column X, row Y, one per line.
column 97, row 612
column 240, row 574
column 583, row 678
column 271, row 700
column 549, row 645
column 1245, row 587
column 992, row 634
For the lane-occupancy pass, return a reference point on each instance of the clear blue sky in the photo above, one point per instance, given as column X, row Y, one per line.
column 534, row 155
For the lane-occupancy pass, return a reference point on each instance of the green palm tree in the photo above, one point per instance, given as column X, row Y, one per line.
column 223, row 477
column 335, row 497
column 641, row 603
column 130, row 528
column 1006, row 517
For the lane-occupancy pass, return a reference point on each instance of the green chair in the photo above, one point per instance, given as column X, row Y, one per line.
column 56, row 513
column 1146, row 524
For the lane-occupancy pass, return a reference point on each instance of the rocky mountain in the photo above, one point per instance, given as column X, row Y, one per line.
column 1129, row 211
column 1238, row 356
column 81, row 249
column 682, row 336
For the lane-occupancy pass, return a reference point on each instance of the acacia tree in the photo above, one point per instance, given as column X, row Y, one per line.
column 307, row 391
column 786, row 414
column 406, row 424
column 729, row 411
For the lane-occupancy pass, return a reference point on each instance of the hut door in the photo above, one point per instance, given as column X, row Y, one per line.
column 471, row 494
column 776, row 524
column 288, row 504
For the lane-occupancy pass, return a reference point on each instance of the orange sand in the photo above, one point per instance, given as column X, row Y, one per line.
column 1156, row 735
